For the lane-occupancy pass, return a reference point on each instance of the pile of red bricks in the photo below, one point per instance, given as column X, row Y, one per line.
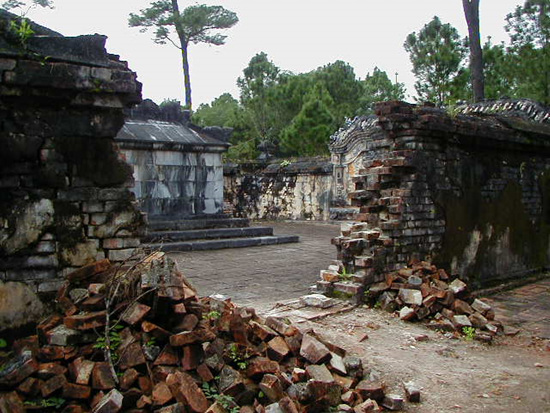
column 422, row 291
column 139, row 339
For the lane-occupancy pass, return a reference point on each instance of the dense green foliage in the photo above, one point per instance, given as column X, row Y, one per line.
column 436, row 54
column 520, row 69
column 297, row 113
column 529, row 50
column 198, row 23
column 294, row 113
column 378, row 87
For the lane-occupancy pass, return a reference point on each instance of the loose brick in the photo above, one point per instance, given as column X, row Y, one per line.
column 86, row 321
column 110, row 403
column 76, row 391
column 161, row 394
column 185, row 390
column 313, row 350
column 53, row 384
column 102, row 376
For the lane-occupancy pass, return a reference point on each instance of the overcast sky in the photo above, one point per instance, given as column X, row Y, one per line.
column 298, row 35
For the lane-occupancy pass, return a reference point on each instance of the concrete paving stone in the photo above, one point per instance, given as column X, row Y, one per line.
column 261, row 276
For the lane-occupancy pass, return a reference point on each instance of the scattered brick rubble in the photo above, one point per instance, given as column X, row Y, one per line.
column 172, row 351
column 419, row 292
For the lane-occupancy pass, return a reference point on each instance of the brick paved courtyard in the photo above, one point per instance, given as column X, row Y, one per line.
column 262, row 276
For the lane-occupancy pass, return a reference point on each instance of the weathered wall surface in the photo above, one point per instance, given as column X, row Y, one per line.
column 471, row 193
column 64, row 199
column 299, row 190
column 176, row 183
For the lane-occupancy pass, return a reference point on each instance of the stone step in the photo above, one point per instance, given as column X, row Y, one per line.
column 212, row 233
column 201, row 245
column 197, row 223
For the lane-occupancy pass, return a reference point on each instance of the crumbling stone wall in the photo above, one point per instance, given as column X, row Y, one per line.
column 64, row 199
column 297, row 190
column 469, row 192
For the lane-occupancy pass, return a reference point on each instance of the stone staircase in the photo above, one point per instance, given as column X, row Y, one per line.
column 208, row 233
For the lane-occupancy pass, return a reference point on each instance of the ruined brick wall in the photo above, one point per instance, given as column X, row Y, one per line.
column 470, row 193
column 300, row 190
column 64, row 199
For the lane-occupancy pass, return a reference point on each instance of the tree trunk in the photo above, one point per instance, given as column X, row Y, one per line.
column 186, row 77
column 184, row 57
column 471, row 11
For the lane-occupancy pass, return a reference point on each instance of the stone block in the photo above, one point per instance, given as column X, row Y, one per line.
column 368, row 406
column 259, row 366
column 277, row 349
column 330, row 276
column 337, row 364
column 406, row 313
column 462, row 307
column 186, row 391
column 132, row 355
column 53, row 384
column 81, row 370
column 192, row 357
column 478, row 320
column 317, row 300
column 135, row 313
column 110, row 403
column 457, row 286
column 121, row 255
column 411, row 297
column 128, row 379
column 102, row 376
column 480, row 306
column 412, row 392
column 370, row 390
column 272, row 388
column 461, row 321
column 168, row 356
column 48, row 370
column 161, row 394
column 281, row 326
column 319, row 373
column 76, row 391
column 313, row 350
column 17, row 369
column 262, row 331
column 393, row 402
column 86, row 321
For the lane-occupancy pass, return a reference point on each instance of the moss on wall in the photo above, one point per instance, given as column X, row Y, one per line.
column 504, row 229
column 95, row 159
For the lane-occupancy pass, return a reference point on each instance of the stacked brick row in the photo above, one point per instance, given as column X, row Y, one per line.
column 65, row 198
column 139, row 339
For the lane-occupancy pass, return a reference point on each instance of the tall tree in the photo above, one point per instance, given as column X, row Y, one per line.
column 436, row 54
column 471, row 11
column 309, row 132
column 498, row 71
column 257, row 87
column 195, row 24
column 343, row 86
column 529, row 30
column 378, row 87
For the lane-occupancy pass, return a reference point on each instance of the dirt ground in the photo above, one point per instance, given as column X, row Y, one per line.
column 454, row 375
